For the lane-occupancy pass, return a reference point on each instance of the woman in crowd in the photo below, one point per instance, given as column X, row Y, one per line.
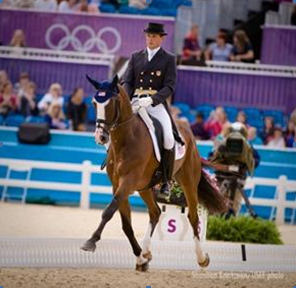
column 8, row 100
column 76, row 110
column 18, row 39
column 54, row 95
column 220, row 50
column 28, row 105
column 242, row 49
column 55, row 116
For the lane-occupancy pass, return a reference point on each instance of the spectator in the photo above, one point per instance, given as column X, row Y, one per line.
column 28, row 104
column 46, row 5
column 8, row 101
column 253, row 137
column 220, row 50
column 277, row 141
column 242, row 118
column 21, row 86
column 115, row 3
column 242, row 49
column 54, row 95
column 7, row 4
column 290, row 134
column 198, row 128
column 76, row 110
column 18, row 39
column 139, row 4
column 191, row 48
column 293, row 16
column 55, row 116
column 68, row 6
column 3, row 79
column 268, row 131
column 217, row 121
column 293, row 117
column 25, row 4
column 83, row 6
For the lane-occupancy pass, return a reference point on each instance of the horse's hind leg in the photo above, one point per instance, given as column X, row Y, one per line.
column 125, row 214
column 189, row 187
column 154, row 214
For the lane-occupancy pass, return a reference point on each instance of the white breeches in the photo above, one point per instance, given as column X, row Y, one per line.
column 159, row 112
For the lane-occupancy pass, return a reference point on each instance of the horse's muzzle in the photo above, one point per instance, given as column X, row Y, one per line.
column 101, row 136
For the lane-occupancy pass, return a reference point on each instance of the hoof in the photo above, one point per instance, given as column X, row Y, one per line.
column 89, row 246
column 143, row 267
column 206, row 262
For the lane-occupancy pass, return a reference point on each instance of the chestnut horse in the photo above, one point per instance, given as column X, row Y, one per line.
column 131, row 164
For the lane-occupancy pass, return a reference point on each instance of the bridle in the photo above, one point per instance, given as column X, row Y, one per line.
column 114, row 124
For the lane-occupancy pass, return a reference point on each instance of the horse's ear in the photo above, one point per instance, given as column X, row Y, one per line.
column 115, row 80
column 114, row 83
column 93, row 82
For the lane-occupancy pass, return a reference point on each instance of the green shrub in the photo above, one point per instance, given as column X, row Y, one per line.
column 243, row 229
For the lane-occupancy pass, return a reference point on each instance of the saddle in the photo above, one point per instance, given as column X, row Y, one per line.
column 155, row 129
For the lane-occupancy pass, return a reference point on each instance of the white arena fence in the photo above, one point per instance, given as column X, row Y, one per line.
column 169, row 255
column 283, row 186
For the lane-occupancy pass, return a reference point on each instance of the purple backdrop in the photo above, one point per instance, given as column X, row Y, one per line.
column 240, row 90
column 120, row 35
column 279, row 45
column 44, row 73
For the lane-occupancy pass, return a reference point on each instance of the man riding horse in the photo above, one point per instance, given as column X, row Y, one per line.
column 149, row 80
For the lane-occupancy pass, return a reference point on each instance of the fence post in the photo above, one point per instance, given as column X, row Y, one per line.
column 86, row 173
column 280, row 211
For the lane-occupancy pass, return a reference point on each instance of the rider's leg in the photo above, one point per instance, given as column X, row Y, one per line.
column 168, row 156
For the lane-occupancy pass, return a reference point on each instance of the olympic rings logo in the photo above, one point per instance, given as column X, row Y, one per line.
column 72, row 38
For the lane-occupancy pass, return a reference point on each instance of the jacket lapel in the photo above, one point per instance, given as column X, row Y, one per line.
column 154, row 60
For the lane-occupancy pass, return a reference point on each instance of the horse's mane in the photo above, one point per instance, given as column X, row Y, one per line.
column 125, row 98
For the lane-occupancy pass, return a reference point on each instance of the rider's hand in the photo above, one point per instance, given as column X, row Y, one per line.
column 145, row 101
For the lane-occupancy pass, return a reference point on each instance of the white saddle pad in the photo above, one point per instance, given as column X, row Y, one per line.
column 179, row 149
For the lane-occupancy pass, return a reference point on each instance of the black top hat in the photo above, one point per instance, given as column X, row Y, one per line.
column 155, row 28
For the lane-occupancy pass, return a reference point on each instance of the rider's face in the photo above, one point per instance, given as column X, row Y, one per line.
column 153, row 40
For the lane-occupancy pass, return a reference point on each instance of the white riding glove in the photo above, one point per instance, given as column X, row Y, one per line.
column 145, row 101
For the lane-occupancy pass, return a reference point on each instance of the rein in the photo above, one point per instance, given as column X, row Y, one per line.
column 114, row 124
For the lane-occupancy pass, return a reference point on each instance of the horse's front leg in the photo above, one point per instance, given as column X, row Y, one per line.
column 121, row 195
column 142, row 259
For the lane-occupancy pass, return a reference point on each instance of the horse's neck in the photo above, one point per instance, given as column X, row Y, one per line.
column 124, row 130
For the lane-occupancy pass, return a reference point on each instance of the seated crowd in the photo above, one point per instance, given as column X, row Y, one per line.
column 21, row 99
column 219, row 50
column 271, row 135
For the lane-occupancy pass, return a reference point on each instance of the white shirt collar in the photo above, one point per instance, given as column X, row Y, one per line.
column 152, row 52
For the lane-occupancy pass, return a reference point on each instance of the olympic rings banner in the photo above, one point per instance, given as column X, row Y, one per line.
column 104, row 33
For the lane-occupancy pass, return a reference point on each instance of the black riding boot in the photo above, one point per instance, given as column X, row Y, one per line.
column 168, row 159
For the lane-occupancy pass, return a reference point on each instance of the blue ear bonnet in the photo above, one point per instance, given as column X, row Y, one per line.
column 105, row 90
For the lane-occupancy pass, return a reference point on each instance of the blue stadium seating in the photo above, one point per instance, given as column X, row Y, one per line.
column 14, row 120
column 278, row 117
column 252, row 114
column 231, row 113
column 128, row 10
column 107, row 8
column 205, row 109
column 36, row 119
column 1, row 120
column 185, row 108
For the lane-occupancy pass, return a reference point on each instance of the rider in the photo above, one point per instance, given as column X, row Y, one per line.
column 151, row 77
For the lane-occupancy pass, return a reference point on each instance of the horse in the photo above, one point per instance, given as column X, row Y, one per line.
column 131, row 164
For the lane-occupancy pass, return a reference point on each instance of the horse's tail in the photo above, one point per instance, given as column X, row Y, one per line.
column 209, row 195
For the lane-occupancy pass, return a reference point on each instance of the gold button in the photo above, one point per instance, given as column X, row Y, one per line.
column 142, row 73
column 152, row 73
column 150, row 80
column 141, row 88
column 141, row 80
column 150, row 88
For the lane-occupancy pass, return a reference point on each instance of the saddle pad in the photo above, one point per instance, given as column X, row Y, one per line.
column 179, row 149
